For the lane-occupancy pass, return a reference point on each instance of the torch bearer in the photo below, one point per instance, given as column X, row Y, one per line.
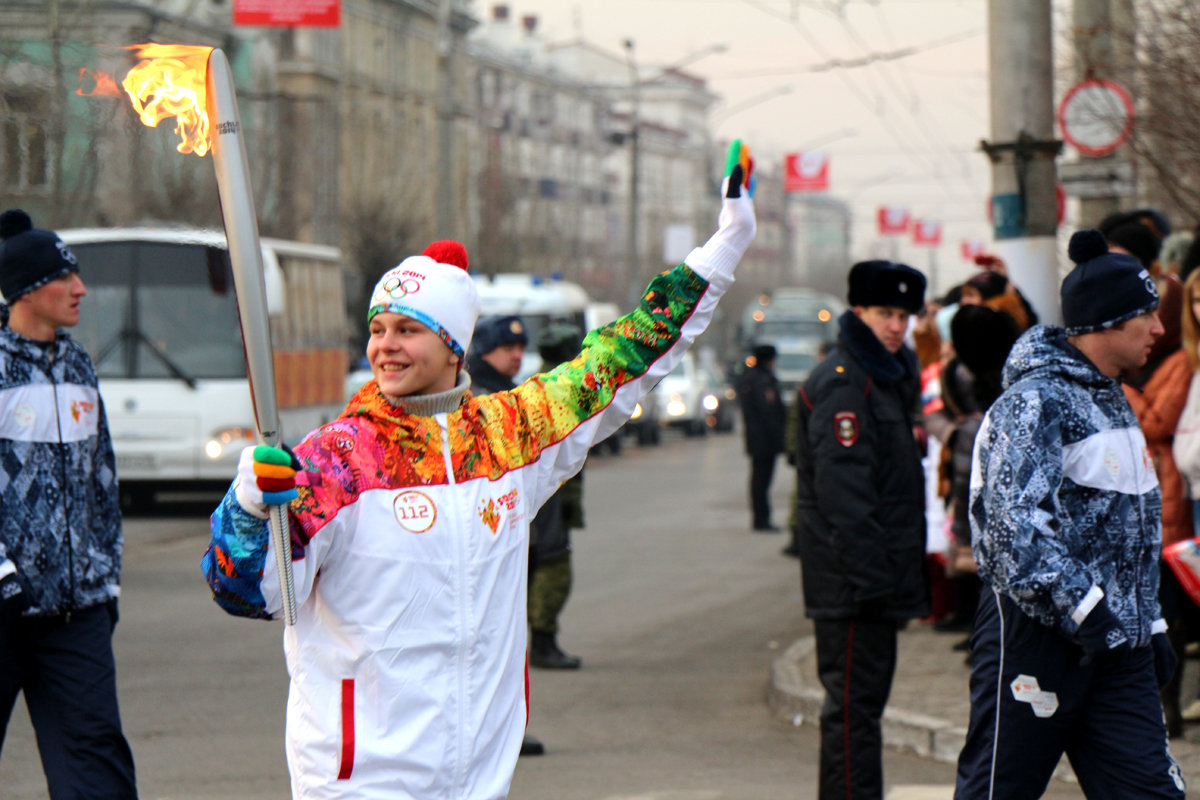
column 245, row 255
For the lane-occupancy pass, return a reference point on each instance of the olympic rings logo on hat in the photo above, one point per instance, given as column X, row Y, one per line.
column 397, row 288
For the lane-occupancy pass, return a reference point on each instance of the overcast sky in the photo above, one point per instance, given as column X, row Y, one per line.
column 900, row 131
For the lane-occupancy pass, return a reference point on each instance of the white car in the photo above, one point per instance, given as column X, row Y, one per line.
column 686, row 398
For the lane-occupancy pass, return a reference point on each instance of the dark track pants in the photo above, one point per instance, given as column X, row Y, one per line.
column 762, row 469
column 67, row 673
column 1032, row 701
column 856, row 660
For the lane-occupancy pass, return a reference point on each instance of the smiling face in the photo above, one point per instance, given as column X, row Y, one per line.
column 40, row 313
column 408, row 358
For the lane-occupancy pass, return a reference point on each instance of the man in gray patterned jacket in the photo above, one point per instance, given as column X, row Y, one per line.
column 60, row 525
column 1069, row 649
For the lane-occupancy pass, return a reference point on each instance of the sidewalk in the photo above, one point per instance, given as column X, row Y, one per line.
column 929, row 706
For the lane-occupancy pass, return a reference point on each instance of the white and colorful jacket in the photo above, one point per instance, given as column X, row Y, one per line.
column 410, row 547
column 1065, row 505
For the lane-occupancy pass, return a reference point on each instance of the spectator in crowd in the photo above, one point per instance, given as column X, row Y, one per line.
column 60, row 525
column 1070, row 648
column 982, row 339
column 1157, row 393
column 764, row 418
column 1185, row 450
column 861, row 518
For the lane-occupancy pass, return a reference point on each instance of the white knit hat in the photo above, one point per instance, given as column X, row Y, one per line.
column 435, row 289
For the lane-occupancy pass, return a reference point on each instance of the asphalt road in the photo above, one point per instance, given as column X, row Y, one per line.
column 678, row 610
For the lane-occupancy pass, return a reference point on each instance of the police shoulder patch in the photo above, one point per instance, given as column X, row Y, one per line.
column 845, row 427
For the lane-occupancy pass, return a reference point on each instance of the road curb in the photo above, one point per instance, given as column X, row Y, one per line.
column 796, row 695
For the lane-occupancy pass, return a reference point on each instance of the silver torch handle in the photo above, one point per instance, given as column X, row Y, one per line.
column 245, row 255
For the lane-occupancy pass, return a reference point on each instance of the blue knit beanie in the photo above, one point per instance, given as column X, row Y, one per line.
column 1104, row 289
column 29, row 258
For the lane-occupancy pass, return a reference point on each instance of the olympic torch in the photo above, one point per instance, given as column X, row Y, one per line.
column 245, row 255
column 194, row 85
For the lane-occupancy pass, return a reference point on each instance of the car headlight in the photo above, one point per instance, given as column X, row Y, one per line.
column 675, row 406
column 224, row 438
column 637, row 411
column 710, row 403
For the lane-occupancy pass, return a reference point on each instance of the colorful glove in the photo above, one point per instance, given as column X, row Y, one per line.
column 266, row 477
column 1165, row 659
column 735, row 224
column 13, row 597
column 1101, row 634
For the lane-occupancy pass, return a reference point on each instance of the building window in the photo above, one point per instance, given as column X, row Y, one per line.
column 25, row 143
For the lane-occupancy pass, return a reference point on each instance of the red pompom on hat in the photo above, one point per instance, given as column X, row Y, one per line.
column 447, row 251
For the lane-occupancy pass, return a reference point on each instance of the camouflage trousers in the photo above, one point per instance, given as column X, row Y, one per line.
column 549, row 587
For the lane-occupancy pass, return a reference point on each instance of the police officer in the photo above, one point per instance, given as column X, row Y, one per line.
column 496, row 352
column 861, row 517
column 764, row 417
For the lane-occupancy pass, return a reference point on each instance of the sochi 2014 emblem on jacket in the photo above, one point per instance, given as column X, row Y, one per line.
column 845, row 427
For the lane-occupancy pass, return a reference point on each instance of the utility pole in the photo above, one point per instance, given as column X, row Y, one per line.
column 444, row 104
column 1103, row 49
column 1023, row 148
column 635, row 136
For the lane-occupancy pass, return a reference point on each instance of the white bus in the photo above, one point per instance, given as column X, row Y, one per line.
column 160, row 321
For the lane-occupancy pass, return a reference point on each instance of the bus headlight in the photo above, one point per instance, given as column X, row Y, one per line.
column 637, row 411
column 225, row 438
column 710, row 403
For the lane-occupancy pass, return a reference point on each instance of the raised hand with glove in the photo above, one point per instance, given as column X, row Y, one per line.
column 735, row 223
column 266, row 477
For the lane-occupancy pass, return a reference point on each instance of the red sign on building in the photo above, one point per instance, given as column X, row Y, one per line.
column 969, row 248
column 927, row 233
column 806, row 172
column 893, row 220
column 287, row 13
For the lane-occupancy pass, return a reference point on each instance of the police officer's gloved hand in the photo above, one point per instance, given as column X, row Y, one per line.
column 13, row 597
column 1165, row 659
column 266, row 477
column 1101, row 634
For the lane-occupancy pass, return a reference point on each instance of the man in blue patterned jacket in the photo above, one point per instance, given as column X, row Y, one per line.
column 60, row 525
column 1069, row 649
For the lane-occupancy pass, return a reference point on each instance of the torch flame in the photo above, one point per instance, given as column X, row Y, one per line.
column 102, row 84
column 169, row 81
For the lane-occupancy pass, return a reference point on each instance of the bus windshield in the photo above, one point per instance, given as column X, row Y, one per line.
column 159, row 310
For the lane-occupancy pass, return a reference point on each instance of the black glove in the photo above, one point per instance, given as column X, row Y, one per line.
column 1101, row 634
column 1165, row 659
column 13, row 597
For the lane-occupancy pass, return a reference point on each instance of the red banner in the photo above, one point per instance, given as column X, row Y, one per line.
column 970, row 248
column 893, row 220
column 806, row 172
column 287, row 13
column 927, row 233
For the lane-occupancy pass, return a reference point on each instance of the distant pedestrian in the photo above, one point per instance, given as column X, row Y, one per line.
column 60, row 525
column 764, row 419
column 497, row 349
column 1070, row 648
column 861, row 518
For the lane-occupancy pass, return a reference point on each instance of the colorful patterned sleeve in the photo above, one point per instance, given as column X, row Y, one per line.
column 234, row 561
column 1016, row 519
column 563, row 412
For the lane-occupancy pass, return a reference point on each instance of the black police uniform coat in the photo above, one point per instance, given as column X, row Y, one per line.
column 861, row 497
